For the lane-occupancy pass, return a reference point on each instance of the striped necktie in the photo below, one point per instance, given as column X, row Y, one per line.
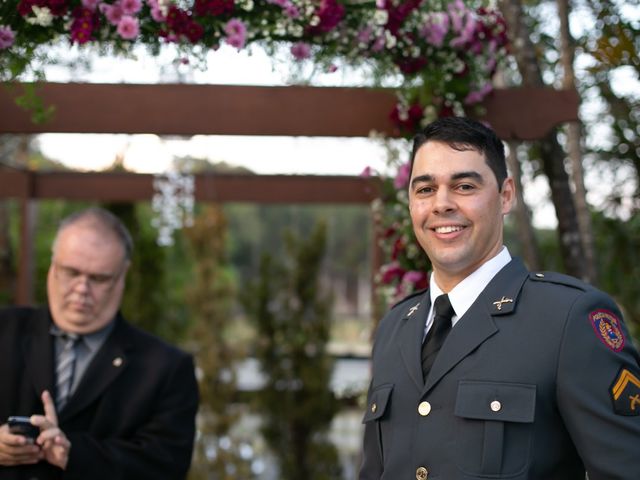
column 65, row 367
column 437, row 333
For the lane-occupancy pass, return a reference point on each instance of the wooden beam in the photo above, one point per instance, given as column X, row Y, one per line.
column 131, row 187
column 181, row 109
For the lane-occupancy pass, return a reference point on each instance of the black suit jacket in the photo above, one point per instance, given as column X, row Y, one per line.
column 131, row 417
column 524, row 388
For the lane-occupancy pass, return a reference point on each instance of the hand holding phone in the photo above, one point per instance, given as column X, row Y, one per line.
column 22, row 426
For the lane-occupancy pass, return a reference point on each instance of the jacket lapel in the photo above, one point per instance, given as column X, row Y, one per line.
column 410, row 336
column 38, row 352
column 110, row 361
column 477, row 324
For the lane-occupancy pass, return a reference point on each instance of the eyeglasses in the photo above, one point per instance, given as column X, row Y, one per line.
column 70, row 276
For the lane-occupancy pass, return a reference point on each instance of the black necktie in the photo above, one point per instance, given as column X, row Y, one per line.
column 437, row 333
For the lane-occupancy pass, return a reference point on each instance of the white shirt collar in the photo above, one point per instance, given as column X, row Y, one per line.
column 468, row 290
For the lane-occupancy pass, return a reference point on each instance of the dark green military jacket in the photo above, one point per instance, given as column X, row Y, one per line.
column 538, row 380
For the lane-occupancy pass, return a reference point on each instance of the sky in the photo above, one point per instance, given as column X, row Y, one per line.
column 265, row 155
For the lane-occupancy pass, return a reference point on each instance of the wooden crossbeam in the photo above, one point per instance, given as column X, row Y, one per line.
column 182, row 109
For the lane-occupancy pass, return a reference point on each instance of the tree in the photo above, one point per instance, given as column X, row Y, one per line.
column 291, row 315
column 551, row 152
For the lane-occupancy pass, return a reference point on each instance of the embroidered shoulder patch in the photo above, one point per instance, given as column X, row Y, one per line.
column 625, row 393
column 607, row 327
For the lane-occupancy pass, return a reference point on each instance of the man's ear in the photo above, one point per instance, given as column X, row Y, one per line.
column 508, row 195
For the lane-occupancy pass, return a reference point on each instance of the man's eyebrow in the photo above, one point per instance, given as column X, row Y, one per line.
column 421, row 178
column 472, row 174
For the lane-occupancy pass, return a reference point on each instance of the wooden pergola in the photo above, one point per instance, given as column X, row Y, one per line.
column 180, row 109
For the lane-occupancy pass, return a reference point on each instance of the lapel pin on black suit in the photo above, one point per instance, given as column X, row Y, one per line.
column 117, row 362
column 413, row 309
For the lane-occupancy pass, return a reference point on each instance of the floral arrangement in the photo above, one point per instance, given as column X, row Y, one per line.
column 407, row 267
column 443, row 53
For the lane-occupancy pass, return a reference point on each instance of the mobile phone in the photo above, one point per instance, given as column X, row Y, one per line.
column 22, row 426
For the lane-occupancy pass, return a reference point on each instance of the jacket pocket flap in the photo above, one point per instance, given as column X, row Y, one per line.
column 377, row 402
column 504, row 402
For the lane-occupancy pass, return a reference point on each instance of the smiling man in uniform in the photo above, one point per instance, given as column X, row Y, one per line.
column 494, row 371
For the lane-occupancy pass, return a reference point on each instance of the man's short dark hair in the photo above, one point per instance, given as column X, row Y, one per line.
column 462, row 134
column 104, row 219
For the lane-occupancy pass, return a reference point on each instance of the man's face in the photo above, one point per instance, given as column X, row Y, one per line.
column 456, row 210
column 86, row 278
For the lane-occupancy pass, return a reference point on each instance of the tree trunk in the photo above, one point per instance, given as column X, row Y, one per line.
column 574, row 150
column 525, row 231
column 552, row 155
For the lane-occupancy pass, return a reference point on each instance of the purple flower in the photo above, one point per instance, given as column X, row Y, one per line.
column 457, row 11
column 7, row 37
column 130, row 7
column 292, row 11
column 91, row 5
column 128, row 27
column 301, row 50
column 236, row 33
column 402, row 178
column 467, row 33
column 364, row 35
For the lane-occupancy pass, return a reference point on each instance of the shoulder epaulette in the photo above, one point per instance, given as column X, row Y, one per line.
column 559, row 279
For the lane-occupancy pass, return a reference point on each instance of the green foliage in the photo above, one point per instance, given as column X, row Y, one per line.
column 147, row 301
column 292, row 318
column 618, row 246
column 209, row 296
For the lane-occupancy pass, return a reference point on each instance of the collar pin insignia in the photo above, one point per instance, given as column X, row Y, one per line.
column 413, row 309
column 499, row 303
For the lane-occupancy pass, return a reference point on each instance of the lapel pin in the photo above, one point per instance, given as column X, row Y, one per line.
column 117, row 362
column 413, row 309
column 499, row 303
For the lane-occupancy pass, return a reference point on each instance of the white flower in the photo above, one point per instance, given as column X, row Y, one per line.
column 380, row 17
column 42, row 16
column 248, row 5
column 390, row 39
column 296, row 30
column 315, row 20
column 164, row 5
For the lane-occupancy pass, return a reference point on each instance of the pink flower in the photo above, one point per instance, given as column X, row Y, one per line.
column 112, row 12
column 416, row 278
column 91, row 5
column 436, row 29
column 367, row 172
column 7, row 37
column 300, row 50
column 128, row 28
column 402, row 178
column 236, row 32
column 157, row 14
column 477, row 96
column 130, row 7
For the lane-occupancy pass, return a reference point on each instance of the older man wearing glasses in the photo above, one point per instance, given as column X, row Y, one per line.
column 107, row 400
